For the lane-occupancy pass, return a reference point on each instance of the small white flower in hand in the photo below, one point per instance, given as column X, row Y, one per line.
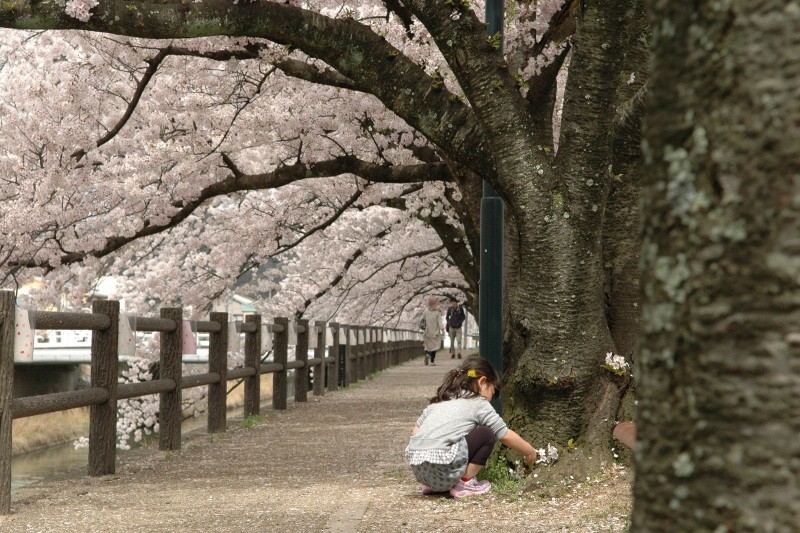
column 547, row 455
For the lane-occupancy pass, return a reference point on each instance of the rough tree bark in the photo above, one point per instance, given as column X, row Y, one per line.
column 719, row 394
column 559, row 312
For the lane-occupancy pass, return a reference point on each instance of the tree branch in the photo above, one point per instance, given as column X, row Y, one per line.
column 595, row 70
column 562, row 26
column 542, row 97
column 412, row 255
column 240, row 182
column 347, row 264
column 394, row 6
column 454, row 240
column 490, row 88
column 152, row 67
column 291, row 67
column 319, row 227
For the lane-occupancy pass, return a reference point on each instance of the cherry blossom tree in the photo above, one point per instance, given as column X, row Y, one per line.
column 286, row 226
column 201, row 143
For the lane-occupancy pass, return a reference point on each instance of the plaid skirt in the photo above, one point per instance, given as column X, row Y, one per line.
column 439, row 469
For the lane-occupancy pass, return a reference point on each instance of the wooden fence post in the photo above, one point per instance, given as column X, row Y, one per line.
column 103, row 417
column 280, row 343
column 361, row 339
column 369, row 362
column 398, row 347
column 370, row 366
column 218, row 362
column 383, row 349
column 356, row 374
column 387, row 346
column 398, row 337
column 376, row 351
column 349, row 353
column 358, row 348
column 355, row 349
column 7, row 315
column 252, row 358
column 333, row 370
column 301, row 354
column 169, row 366
column 319, row 353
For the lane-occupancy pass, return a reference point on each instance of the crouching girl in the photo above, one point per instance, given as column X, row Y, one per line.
column 455, row 434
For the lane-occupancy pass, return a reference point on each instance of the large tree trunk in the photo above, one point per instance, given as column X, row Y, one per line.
column 719, row 394
column 558, row 329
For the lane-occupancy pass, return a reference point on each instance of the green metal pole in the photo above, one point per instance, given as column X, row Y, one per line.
column 490, row 290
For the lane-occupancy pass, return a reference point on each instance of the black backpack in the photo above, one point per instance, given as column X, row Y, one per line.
column 456, row 317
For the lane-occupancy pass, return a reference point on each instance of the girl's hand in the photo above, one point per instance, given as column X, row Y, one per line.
column 530, row 457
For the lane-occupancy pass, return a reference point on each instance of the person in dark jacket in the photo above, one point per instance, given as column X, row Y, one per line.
column 455, row 317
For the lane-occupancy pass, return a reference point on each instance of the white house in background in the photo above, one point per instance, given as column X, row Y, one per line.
column 237, row 307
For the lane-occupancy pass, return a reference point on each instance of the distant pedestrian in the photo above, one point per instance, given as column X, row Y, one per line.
column 455, row 317
column 432, row 319
column 455, row 434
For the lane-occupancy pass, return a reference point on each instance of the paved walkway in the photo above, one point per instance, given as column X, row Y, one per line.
column 333, row 464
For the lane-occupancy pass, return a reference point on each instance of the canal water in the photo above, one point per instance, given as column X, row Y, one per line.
column 29, row 467
column 33, row 466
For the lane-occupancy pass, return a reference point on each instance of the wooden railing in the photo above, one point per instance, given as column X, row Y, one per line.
column 381, row 348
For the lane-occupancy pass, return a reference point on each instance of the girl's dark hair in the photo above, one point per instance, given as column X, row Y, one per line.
column 462, row 382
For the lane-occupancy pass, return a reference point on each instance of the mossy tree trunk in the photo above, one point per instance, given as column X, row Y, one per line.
column 573, row 261
column 719, row 393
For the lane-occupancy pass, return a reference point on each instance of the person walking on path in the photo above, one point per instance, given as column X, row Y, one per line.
column 455, row 434
column 432, row 319
column 454, row 319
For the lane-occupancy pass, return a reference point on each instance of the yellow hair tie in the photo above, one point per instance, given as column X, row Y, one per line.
column 472, row 373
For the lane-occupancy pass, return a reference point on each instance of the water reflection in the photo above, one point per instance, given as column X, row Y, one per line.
column 33, row 466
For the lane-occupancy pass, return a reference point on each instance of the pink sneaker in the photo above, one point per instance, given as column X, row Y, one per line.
column 473, row 487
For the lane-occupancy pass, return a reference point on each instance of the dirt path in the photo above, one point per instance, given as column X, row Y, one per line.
column 334, row 464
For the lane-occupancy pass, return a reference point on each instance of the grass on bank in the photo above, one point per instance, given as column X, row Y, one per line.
column 42, row 431
column 36, row 432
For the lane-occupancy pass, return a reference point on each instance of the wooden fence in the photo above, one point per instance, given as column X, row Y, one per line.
column 379, row 349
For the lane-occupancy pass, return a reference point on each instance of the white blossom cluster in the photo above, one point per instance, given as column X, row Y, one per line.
column 79, row 9
column 548, row 455
column 136, row 417
column 616, row 364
